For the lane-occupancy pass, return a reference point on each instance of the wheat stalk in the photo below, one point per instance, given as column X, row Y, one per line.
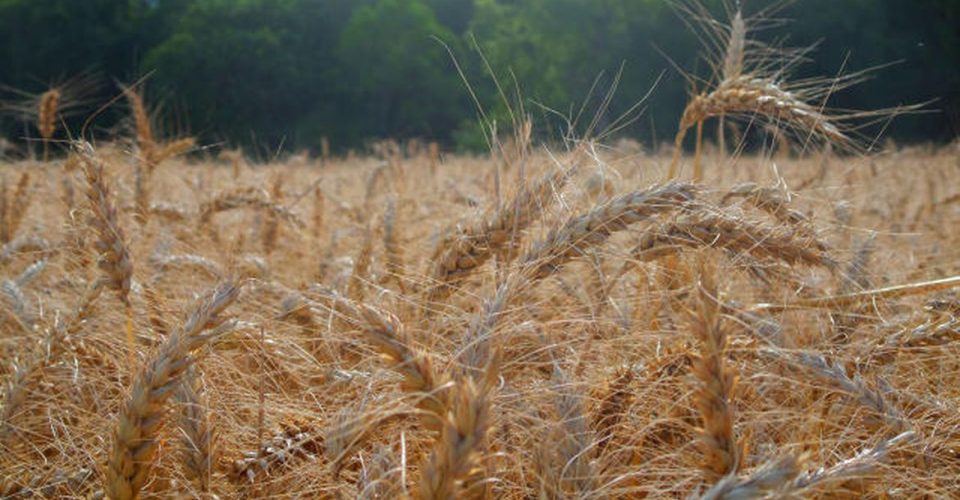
column 847, row 299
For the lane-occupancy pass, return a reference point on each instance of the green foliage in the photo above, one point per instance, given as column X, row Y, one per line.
column 291, row 71
column 401, row 77
column 232, row 64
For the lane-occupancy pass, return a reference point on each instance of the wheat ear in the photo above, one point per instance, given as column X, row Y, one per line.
column 14, row 209
column 135, row 437
column 463, row 251
column 199, row 438
column 612, row 407
column 571, row 238
column 770, row 477
column 391, row 245
column 49, row 106
column 857, row 466
column 855, row 386
column 714, row 396
column 387, row 334
column 115, row 261
column 713, row 227
column 248, row 197
column 462, row 435
column 145, row 138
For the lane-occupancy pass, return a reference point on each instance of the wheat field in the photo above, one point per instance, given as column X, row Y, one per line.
column 377, row 327
column 573, row 320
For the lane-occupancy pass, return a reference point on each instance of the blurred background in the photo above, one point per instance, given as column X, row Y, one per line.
column 283, row 74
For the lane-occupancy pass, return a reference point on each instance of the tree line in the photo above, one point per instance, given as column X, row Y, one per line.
column 286, row 73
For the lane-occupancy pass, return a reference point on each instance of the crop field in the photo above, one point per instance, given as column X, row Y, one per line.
column 774, row 315
column 377, row 327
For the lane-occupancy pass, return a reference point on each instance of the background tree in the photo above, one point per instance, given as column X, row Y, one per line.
column 266, row 73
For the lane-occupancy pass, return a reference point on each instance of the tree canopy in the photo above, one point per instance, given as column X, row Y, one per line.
column 289, row 72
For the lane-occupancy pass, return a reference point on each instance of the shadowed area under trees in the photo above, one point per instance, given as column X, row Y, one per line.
column 284, row 73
